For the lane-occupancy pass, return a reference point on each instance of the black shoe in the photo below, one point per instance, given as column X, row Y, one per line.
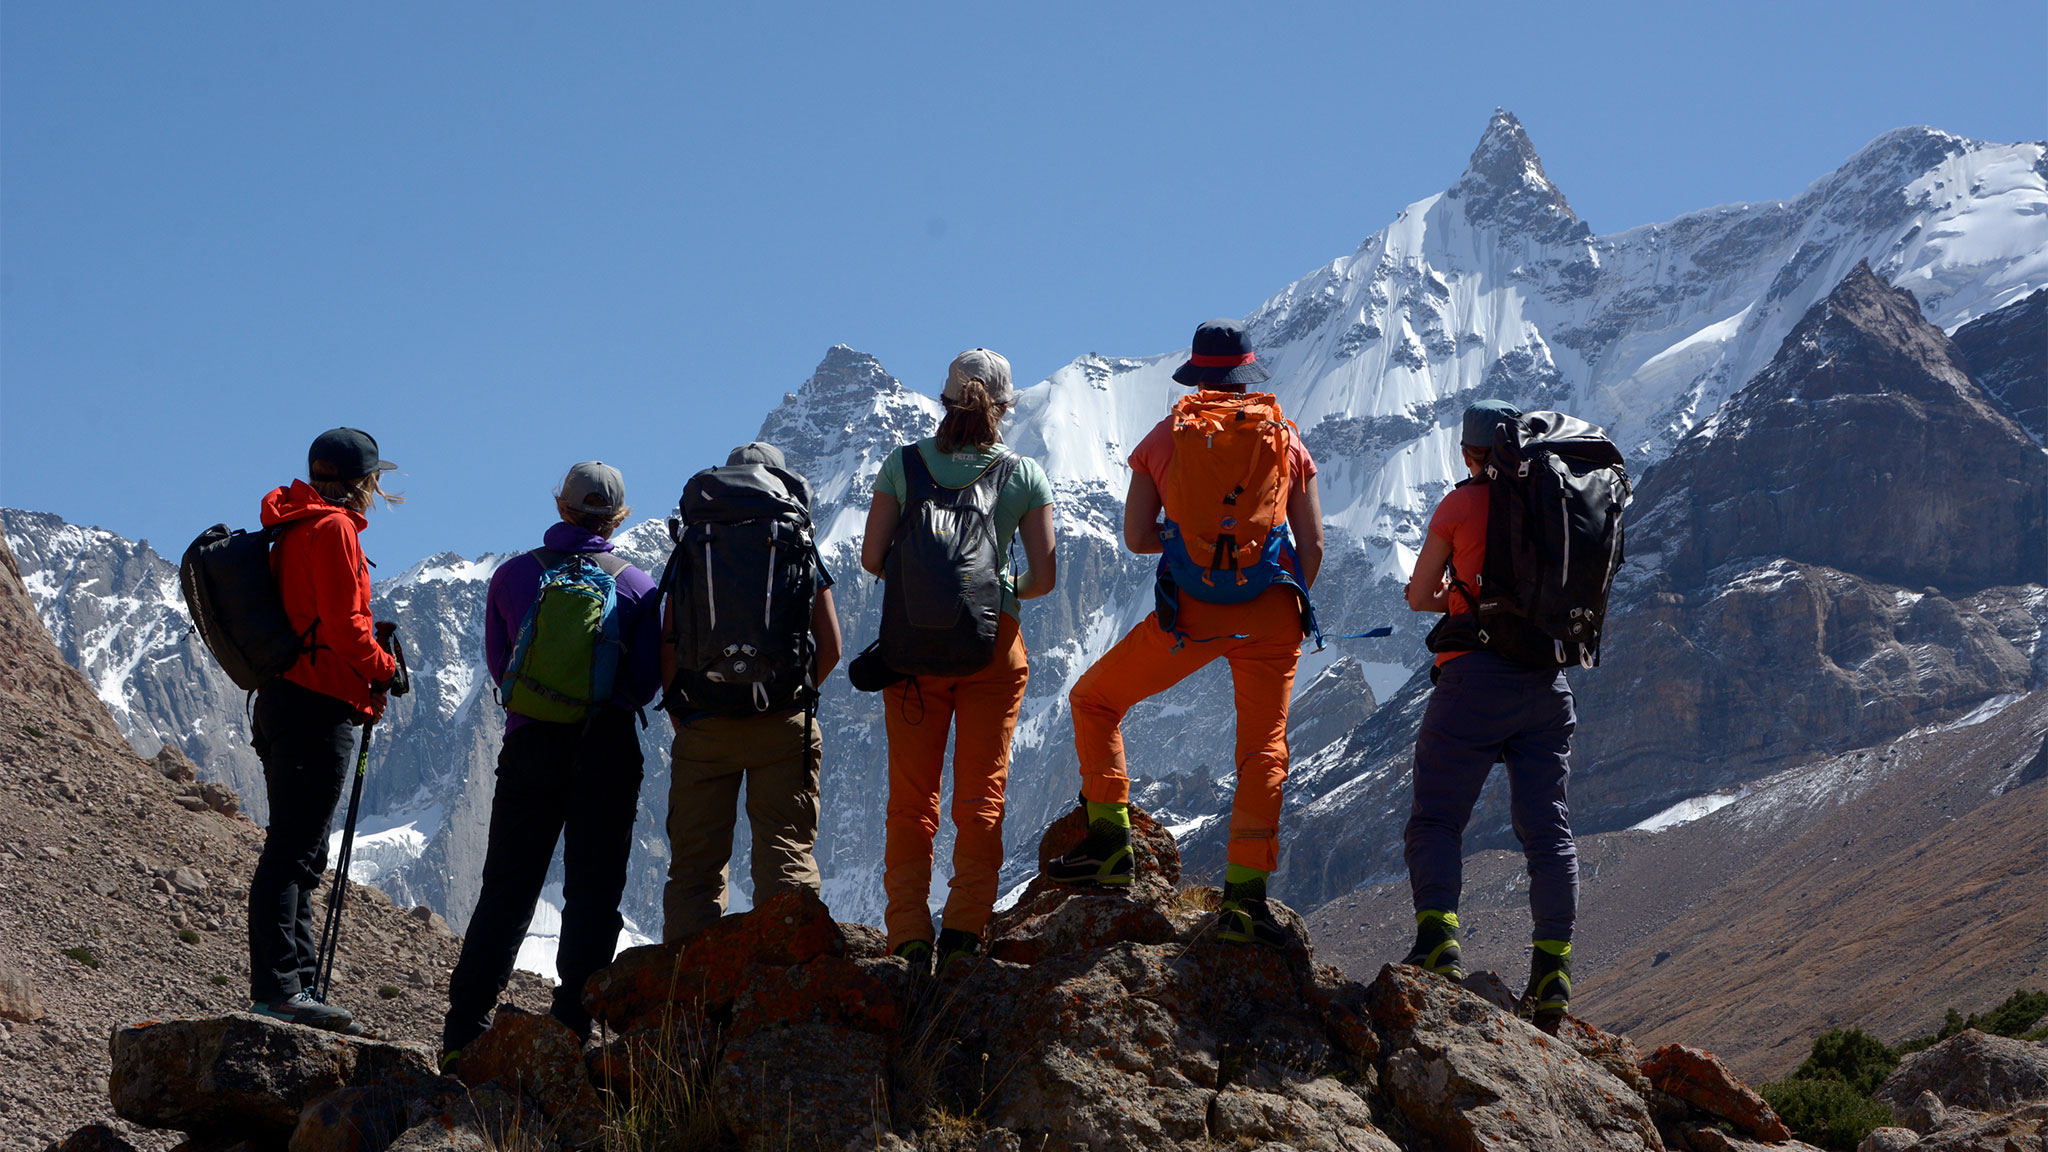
column 304, row 1008
column 1102, row 857
column 1436, row 945
column 919, row 953
column 1245, row 918
column 954, row 945
column 1549, row 994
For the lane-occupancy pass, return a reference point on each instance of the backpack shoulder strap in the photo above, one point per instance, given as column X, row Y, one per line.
column 610, row 563
column 918, row 481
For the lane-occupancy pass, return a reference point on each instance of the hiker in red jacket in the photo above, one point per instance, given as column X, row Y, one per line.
column 1239, row 547
column 306, row 719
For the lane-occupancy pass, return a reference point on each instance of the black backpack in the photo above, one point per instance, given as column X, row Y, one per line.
column 232, row 596
column 942, row 590
column 743, row 577
column 1556, row 488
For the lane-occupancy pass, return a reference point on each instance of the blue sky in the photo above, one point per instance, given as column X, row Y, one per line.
column 507, row 237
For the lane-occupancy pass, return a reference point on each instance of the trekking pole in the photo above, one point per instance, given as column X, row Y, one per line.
column 330, row 932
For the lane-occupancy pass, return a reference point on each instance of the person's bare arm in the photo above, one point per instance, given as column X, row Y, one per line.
column 1041, row 563
column 1141, row 515
column 1430, row 582
column 883, row 513
column 825, row 630
column 1305, row 520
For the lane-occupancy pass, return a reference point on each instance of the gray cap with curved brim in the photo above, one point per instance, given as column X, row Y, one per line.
column 594, row 486
column 756, row 452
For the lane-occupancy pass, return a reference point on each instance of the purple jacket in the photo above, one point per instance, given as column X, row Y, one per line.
column 517, row 582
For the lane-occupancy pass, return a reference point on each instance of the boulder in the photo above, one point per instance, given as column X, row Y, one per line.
column 538, row 1057
column 2021, row 1130
column 92, row 1138
column 173, row 765
column 18, row 999
column 808, row 1085
column 1889, row 1140
column 1925, row 1114
column 241, row 1075
column 1475, row 1078
column 644, row 987
column 1703, row 1081
column 830, row 989
column 1617, row 1054
column 366, row 1119
column 1972, row 1070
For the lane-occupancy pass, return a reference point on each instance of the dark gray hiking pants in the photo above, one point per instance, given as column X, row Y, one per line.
column 1484, row 710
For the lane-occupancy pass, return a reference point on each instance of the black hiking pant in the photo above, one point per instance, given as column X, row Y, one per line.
column 573, row 782
column 306, row 740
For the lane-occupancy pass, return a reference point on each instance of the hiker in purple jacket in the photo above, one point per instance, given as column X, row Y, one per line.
column 565, row 768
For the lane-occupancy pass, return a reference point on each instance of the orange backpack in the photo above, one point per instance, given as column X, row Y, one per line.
column 1225, row 492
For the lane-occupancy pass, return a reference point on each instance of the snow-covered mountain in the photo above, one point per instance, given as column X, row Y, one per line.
column 1492, row 287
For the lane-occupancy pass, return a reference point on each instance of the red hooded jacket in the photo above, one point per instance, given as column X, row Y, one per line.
column 325, row 584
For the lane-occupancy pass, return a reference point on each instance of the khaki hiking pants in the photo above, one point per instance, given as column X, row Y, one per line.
column 712, row 754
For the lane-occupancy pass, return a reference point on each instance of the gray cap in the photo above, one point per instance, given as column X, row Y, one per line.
column 1481, row 418
column 980, row 364
column 594, row 486
column 757, row 452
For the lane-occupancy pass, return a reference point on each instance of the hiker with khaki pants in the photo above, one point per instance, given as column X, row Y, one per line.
column 742, row 671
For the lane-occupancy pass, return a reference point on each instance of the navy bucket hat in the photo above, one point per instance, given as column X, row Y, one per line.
column 1221, row 354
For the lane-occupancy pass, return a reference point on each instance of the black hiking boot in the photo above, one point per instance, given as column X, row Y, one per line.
column 1549, row 995
column 304, row 1008
column 919, row 953
column 1436, row 945
column 1245, row 918
column 954, row 945
column 1102, row 857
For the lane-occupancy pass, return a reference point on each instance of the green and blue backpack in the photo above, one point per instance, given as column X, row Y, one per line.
column 567, row 655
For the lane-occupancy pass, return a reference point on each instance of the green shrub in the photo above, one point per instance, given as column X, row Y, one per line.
column 388, row 992
column 1850, row 1055
column 217, row 981
column 83, row 955
column 2020, row 1011
column 1826, row 1112
column 188, row 936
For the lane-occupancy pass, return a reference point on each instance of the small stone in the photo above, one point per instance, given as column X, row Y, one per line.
column 53, row 853
column 190, row 881
column 18, row 1000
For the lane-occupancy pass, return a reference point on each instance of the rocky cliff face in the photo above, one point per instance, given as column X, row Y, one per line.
column 1780, row 598
column 2007, row 353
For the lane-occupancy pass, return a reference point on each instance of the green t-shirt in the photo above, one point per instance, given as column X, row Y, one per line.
column 1026, row 489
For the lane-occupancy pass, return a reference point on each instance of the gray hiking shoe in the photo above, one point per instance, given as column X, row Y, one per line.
column 303, row 1008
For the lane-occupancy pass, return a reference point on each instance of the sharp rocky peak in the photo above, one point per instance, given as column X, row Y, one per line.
column 1876, row 328
column 1504, row 186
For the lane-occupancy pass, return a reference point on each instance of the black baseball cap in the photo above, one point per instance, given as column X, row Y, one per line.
column 1481, row 418
column 344, row 454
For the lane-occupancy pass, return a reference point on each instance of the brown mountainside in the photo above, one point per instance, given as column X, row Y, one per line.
column 120, row 903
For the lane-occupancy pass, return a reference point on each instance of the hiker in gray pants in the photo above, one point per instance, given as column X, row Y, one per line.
column 1487, row 709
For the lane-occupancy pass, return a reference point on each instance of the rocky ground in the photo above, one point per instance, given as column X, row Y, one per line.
column 122, row 889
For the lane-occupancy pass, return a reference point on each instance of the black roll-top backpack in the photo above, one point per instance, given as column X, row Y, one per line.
column 942, row 591
column 743, row 577
column 232, row 596
column 1556, row 491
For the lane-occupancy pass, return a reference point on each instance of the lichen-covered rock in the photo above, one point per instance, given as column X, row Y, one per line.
column 1617, row 1054
column 366, row 1119
column 829, row 989
column 1477, row 1079
column 1320, row 1115
column 2021, row 1130
column 1972, row 1070
column 809, row 1085
column 1889, row 1140
column 525, row 1053
column 241, row 1074
column 648, row 986
column 1703, row 1081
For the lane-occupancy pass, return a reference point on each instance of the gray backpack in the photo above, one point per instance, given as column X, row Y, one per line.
column 942, row 594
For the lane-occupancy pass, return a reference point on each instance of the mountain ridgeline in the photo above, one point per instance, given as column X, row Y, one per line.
column 1837, row 532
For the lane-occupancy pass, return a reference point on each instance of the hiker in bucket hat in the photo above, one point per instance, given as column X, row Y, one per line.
column 1240, row 544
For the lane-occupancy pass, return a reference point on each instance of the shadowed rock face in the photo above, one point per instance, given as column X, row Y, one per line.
column 1865, row 447
column 2007, row 354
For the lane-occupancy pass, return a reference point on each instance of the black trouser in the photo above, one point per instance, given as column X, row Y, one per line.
column 578, row 780
column 305, row 740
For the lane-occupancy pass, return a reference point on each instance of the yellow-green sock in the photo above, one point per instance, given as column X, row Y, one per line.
column 1450, row 918
column 1562, row 949
column 1242, row 874
column 1117, row 815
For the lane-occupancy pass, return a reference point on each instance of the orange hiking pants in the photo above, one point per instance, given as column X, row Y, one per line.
column 980, row 713
column 1146, row 662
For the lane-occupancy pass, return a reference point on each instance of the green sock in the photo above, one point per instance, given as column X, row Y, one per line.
column 1562, row 949
column 1449, row 918
column 1117, row 815
column 1235, row 874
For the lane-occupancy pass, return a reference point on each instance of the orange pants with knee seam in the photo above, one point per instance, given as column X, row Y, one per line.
column 979, row 714
column 1149, row 660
